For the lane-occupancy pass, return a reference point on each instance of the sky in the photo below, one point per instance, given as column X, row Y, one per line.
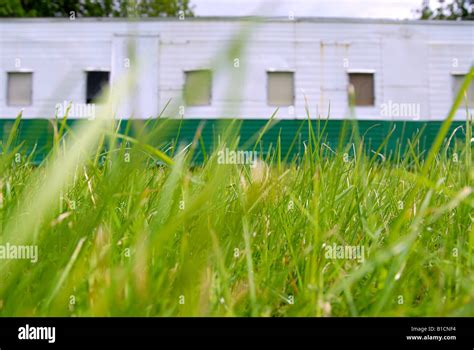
column 395, row 9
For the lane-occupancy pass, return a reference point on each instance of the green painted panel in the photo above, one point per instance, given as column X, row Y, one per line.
column 38, row 133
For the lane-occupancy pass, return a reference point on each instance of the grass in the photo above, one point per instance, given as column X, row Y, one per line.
column 126, row 228
column 119, row 235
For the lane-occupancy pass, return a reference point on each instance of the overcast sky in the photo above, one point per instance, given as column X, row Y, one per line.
column 397, row 9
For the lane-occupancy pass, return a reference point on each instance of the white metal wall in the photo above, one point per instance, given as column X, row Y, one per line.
column 413, row 62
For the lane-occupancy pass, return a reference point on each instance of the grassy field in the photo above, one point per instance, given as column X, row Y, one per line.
column 119, row 234
column 123, row 228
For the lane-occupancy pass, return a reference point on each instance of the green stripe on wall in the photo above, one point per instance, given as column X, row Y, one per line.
column 39, row 132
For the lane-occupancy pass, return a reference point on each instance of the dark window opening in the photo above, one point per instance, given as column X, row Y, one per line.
column 363, row 84
column 96, row 82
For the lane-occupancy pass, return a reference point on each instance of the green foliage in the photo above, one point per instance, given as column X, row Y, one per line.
column 94, row 8
column 11, row 8
column 448, row 10
column 118, row 234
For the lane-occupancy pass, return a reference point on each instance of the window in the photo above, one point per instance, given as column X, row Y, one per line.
column 457, row 82
column 198, row 87
column 96, row 82
column 280, row 89
column 363, row 84
column 19, row 89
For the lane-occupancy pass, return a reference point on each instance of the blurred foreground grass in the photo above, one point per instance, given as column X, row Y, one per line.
column 134, row 231
column 124, row 227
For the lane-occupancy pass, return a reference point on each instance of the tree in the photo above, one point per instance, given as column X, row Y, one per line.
column 448, row 10
column 94, row 8
column 10, row 7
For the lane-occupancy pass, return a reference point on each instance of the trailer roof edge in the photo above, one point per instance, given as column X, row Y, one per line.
column 339, row 20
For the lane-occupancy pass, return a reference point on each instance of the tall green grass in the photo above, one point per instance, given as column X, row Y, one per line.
column 127, row 229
